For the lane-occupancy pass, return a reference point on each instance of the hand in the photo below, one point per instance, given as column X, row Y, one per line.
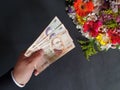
column 26, row 66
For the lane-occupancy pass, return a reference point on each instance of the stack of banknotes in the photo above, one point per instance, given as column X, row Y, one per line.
column 54, row 40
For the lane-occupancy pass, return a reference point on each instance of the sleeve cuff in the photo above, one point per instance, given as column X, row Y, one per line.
column 19, row 85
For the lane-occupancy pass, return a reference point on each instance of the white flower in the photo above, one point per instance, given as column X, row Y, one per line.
column 106, row 47
column 91, row 17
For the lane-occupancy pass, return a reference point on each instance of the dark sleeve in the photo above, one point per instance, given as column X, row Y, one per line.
column 6, row 82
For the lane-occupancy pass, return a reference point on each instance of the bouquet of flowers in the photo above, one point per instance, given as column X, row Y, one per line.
column 99, row 23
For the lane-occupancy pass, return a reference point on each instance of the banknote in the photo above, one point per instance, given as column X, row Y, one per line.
column 54, row 24
column 54, row 27
column 55, row 44
column 58, row 46
column 61, row 29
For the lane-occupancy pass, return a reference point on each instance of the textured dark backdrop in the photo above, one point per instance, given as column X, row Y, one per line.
column 22, row 21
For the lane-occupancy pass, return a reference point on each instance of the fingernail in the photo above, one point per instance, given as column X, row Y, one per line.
column 35, row 73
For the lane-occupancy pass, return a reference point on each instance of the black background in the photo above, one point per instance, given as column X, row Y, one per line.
column 22, row 21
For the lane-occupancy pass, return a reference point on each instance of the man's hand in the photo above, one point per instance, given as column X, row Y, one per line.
column 26, row 66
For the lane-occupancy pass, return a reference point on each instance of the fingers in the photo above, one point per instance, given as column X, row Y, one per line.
column 37, row 53
column 39, row 61
column 41, row 68
column 36, row 56
column 33, row 56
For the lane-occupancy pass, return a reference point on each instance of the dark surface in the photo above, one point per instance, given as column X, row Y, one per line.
column 22, row 21
column 6, row 82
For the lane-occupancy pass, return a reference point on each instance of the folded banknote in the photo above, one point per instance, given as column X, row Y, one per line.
column 55, row 40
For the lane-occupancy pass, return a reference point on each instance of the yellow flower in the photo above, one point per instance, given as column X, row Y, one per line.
column 103, row 39
column 80, row 19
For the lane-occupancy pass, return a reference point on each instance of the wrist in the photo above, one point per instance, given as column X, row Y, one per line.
column 17, row 83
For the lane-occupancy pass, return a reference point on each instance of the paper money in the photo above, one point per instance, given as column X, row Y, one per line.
column 60, row 30
column 54, row 40
column 55, row 23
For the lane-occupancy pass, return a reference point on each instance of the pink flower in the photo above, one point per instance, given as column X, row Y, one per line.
column 92, row 27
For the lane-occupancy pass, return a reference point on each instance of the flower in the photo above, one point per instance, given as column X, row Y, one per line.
column 80, row 19
column 82, row 8
column 115, row 37
column 101, row 28
column 118, row 19
column 103, row 39
column 92, row 27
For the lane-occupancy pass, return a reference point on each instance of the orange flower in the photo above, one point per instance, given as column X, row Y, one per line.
column 82, row 8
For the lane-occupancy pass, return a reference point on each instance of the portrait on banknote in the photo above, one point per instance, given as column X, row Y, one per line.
column 54, row 40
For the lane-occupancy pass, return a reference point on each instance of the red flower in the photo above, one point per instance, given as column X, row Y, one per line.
column 92, row 27
column 115, row 37
column 82, row 8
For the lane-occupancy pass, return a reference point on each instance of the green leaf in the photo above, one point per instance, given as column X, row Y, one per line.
column 88, row 47
column 82, row 42
column 118, row 46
